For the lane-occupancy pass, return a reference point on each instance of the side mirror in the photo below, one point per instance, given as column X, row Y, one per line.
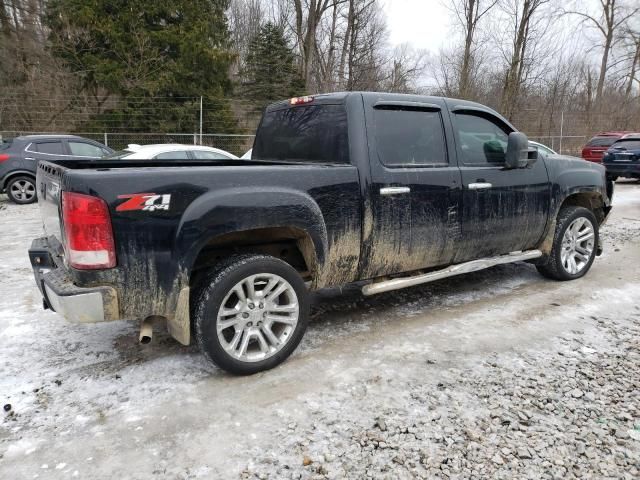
column 519, row 155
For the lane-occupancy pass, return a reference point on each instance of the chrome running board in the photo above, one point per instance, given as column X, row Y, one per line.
column 472, row 266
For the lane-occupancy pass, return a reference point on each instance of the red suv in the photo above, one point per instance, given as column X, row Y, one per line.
column 595, row 148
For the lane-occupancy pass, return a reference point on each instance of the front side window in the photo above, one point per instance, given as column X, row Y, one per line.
column 481, row 140
column 409, row 137
column 313, row 133
column 83, row 149
column 208, row 155
column 52, row 148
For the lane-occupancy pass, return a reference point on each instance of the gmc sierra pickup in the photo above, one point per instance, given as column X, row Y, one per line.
column 393, row 190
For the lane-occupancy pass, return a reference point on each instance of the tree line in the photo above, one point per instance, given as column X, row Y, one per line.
column 72, row 65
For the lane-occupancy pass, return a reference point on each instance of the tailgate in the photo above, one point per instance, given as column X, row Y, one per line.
column 49, row 188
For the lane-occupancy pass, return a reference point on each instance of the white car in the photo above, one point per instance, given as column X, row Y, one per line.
column 247, row 155
column 172, row 151
column 542, row 148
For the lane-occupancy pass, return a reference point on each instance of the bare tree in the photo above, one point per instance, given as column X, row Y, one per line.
column 523, row 21
column 468, row 15
column 612, row 15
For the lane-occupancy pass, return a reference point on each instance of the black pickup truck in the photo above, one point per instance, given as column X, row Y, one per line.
column 392, row 190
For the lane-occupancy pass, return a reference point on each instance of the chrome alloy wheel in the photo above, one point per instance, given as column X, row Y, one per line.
column 257, row 317
column 23, row 190
column 577, row 245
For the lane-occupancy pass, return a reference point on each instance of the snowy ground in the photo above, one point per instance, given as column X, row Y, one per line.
column 499, row 374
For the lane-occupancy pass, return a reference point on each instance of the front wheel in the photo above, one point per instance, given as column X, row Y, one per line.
column 22, row 190
column 250, row 313
column 574, row 245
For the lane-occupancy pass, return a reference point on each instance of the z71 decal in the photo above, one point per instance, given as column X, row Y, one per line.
column 149, row 202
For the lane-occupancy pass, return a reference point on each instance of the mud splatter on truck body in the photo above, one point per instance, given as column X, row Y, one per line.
column 373, row 209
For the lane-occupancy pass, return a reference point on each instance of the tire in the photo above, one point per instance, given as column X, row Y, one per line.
column 239, row 348
column 22, row 190
column 558, row 266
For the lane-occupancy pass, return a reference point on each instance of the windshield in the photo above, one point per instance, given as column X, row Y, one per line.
column 117, row 155
column 313, row 133
column 601, row 141
column 631, row 144
column 5, row 143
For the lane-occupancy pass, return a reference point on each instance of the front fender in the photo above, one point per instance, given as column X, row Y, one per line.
column 243, row 208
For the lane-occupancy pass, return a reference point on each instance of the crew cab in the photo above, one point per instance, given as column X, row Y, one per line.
column 391, row 190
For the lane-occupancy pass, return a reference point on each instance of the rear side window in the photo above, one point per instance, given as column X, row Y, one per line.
column 177, row 155
column 52, row 148
column 406, row 137
column 481, row 140
column 314, row 133
column 601, row 141
column 208, row 155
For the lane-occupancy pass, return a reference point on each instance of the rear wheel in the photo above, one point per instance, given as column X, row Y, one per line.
column 250, row 313
column 574, row 245
column 22, row 190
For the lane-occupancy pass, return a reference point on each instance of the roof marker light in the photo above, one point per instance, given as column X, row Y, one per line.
column 301, row 100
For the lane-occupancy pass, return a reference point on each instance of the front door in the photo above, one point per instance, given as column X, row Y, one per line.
column 414, row 192
column 503, row 210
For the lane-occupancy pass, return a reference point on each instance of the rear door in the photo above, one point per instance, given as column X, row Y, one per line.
column 414, row 191
column 503, row 210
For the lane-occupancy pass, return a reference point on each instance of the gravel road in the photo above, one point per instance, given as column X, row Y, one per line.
column 499, row 374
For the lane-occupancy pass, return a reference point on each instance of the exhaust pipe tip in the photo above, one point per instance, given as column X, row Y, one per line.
column 146, row 331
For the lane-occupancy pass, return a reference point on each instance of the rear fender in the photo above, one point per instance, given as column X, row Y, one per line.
column 238, row 209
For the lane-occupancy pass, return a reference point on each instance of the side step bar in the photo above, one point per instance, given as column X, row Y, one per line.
column 472, row 266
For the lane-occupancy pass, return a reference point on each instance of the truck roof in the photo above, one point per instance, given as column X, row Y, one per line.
column 341, row 97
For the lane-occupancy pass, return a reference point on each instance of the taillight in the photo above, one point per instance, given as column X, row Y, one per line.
column 4, row 157
column 88, row 233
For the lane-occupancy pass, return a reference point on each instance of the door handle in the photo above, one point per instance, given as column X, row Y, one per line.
column 479, row 186
column 394, row 190
column 29, row 158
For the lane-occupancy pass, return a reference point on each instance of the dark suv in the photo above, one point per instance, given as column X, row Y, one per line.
column 19, row 158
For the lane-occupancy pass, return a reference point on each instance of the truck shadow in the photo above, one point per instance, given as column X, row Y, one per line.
column 346, row 311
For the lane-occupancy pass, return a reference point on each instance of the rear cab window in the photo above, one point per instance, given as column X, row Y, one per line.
column 315, row 133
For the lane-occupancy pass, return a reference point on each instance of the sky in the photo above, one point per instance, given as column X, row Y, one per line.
column 425, row 24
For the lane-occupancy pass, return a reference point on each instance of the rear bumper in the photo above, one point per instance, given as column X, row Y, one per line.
column 76, row 304
column 622, row 169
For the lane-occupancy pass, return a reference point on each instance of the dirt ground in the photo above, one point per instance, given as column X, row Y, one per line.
column 498, row 374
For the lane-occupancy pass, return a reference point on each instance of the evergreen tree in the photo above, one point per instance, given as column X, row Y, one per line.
column 270, row 72
column 145, row 50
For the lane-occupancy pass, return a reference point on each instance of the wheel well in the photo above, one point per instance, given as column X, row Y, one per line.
column 11, row 175
column 590, row 200
column 291, row 245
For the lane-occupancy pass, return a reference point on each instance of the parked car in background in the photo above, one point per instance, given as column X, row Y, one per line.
column 623, row 158
column 172, row 151
column 542, row 148
column 247, row 155
column 19, row 158
column 594, row 150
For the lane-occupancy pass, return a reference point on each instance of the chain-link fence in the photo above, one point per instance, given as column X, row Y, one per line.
column 233, row 143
